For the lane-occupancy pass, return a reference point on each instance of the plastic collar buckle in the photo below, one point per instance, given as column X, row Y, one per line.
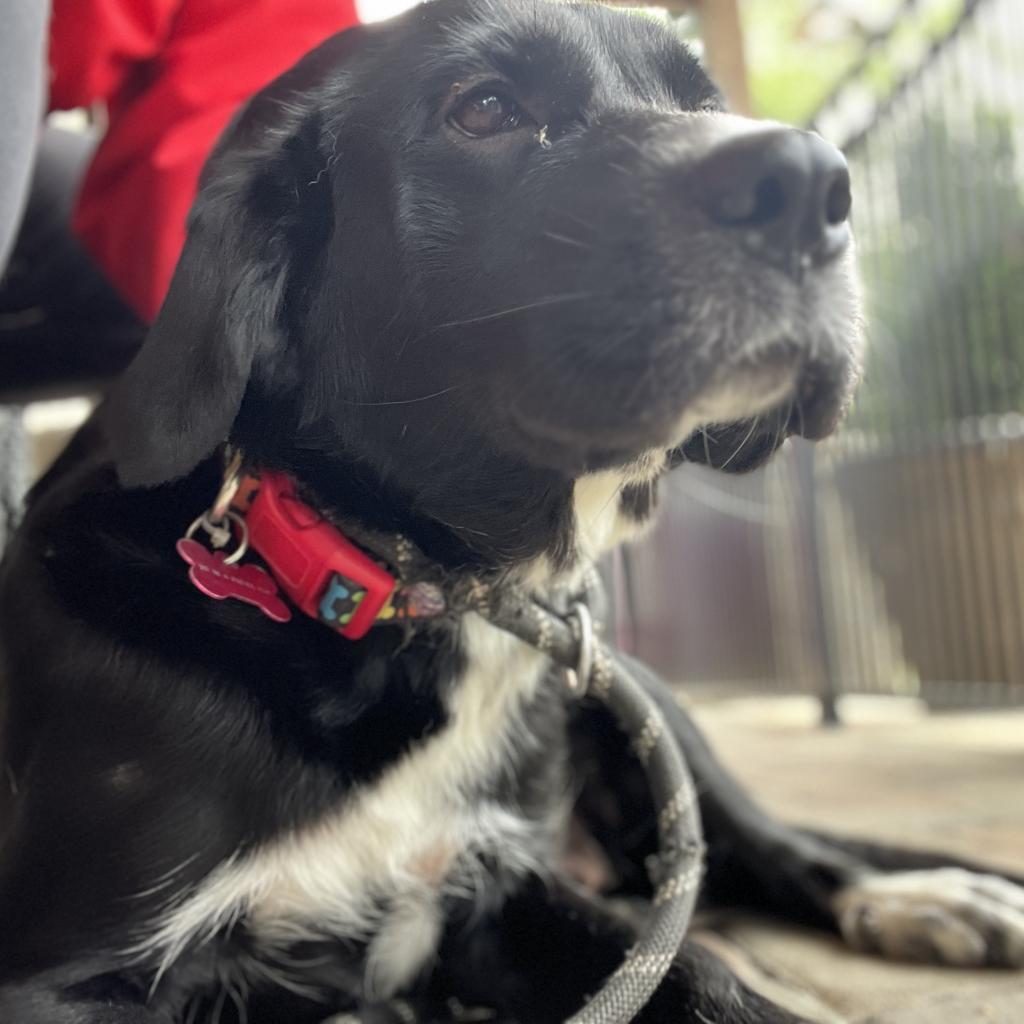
column 322, row 572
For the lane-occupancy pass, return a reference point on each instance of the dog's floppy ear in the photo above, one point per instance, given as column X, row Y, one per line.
column 178, row 399
column 262, row 197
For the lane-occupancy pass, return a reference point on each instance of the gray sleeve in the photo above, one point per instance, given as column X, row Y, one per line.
column 23, row 77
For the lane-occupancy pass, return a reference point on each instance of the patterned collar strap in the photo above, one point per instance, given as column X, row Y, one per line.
column 322, row 571
column 345, row 576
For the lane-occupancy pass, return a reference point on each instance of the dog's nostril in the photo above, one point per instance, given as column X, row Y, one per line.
column 769, row 201
column 789, row 189
column 761, row 204
column 838, row 201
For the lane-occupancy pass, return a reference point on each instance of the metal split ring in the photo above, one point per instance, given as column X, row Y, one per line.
column 228, row 489
column 578, row 678
column 220, row 533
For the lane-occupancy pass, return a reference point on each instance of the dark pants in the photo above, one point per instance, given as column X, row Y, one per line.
column 63, row 328
column 22, row 87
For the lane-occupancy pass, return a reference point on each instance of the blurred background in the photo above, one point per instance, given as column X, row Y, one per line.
column 889, row 560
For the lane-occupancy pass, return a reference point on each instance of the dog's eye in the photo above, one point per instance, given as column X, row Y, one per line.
column 486, row 112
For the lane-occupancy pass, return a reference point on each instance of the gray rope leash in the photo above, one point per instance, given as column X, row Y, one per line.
column 565, row 633
column 570, row 642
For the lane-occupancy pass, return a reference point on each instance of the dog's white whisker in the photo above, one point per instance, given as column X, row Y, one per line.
column 551, row 300
column 404, row 401
column 749, row 434
column 554, row 236
column 576, row 219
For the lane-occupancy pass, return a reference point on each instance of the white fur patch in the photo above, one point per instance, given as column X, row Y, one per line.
column 375, row 867
column 947, row 916
column 600, row 524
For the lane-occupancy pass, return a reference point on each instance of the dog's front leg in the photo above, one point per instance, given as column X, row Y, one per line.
column 753, row 859
column 550, row 949
column 902, row 904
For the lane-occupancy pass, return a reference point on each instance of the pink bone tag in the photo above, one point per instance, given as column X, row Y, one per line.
column 248, row 583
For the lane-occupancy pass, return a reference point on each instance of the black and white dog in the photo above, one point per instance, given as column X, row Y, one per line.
column 477, row 277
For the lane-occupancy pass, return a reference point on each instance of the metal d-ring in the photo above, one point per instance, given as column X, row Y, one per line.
column 578, row 678
column 220, row 533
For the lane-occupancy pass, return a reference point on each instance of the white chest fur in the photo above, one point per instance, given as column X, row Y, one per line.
column 375, row 867
column 600, row 522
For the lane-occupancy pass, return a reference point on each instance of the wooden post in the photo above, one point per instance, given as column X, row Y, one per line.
column 722, row 32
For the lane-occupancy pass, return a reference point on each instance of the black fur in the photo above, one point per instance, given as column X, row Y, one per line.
column 435, row 335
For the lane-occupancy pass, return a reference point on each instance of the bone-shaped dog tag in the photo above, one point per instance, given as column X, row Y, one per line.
column 249, row 583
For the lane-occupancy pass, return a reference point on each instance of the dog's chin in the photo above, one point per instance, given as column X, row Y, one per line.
column 576, row 448
column 734, row 447
column 738, row 445
column 735, row 422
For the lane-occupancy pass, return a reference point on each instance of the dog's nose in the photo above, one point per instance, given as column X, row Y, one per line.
column 785, row 192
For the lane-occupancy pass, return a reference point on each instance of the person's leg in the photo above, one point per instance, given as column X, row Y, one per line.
column 22, row 86
column 62, row 325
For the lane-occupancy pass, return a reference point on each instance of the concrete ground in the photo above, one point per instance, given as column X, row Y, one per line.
column 946, row 782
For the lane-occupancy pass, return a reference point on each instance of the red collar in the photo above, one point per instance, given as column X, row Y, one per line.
column 322, row 572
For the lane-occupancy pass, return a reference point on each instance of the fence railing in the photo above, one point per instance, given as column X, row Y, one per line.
column 899, row 568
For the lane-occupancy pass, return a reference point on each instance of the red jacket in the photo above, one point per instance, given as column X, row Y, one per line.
column 170, row 73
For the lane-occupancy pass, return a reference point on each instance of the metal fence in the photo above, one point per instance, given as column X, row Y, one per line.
column 892, row 559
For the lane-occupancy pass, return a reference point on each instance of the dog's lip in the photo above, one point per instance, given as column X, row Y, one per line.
column 750, row 447
column 591, row 442
column 767, row 395
column 761, row 381
column 742, row 391
column 815, row 417
column 811, row 406
column 581, row 448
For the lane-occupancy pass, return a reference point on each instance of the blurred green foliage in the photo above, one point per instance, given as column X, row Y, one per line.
column 939, row 193
column 941, row 242
column 797, row 50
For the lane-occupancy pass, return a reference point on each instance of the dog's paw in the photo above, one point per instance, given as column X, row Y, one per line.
column 948, row 916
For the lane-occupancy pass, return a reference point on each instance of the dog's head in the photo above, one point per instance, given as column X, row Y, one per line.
column 473, row 255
